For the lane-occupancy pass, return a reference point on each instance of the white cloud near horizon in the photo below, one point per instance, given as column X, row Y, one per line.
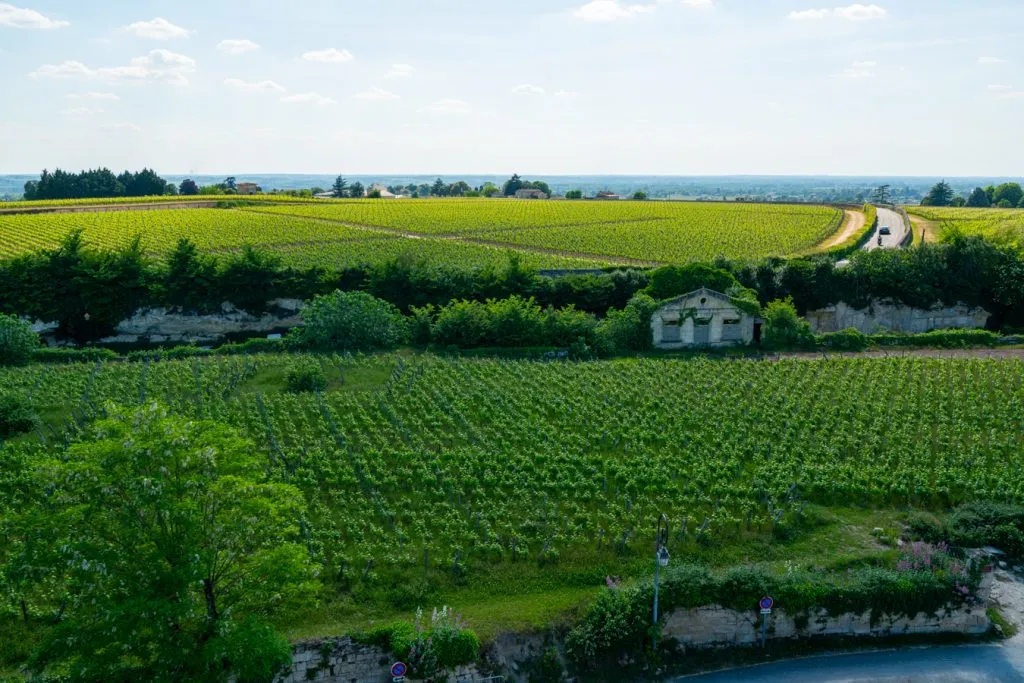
column 330, row 55
column 308, row 98
column 22, row 17
column 610, row 10
column 528, row 89
column 254, row 86
column 855, row 12
column 159, row 65
column 447, row 106
column 232, row 46
column 157, row 29
column 377, row 94
column 400, row 70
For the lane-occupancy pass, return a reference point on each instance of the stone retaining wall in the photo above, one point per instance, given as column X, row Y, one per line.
column 882, row 317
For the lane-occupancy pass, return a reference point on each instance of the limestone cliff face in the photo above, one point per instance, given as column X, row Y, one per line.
column 884, row 317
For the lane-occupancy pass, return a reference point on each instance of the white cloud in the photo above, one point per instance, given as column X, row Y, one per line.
column 20, row 17
column 92, row 96
column 331, row 55
column 990, row 61
column 253, row 86
column 856, row 12
column 447, row 106
column 609, row 10
column 864, row 65
column 861, row 12
column 566, row 93
column 400, row 70
column 159, row 65
column 528, row 89
column 377, row 94
column 236, row 47
column 858, row 70
column 999, row 88
column 83, row 111
column 157, row 29
column 122, row 128
column 699, row 4
column 308, row 98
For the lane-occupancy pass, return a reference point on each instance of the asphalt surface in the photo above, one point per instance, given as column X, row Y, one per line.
column 943, row 664
column 896, row 226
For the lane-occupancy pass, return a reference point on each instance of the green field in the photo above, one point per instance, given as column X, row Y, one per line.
column 1001, row 225
column 562, row 469
column 452, row 232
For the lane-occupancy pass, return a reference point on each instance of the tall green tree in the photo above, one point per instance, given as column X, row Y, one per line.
column 1009, row 192
column 356, row 189
column 177, row 549
column 941, row 194
column 188, row 187
column 190, row 281
column 512, row 185
column 882, row 195
column 439, row 188
column 979, row 199
column 339, row 187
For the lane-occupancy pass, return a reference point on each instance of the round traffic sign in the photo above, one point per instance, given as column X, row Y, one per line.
column 766, row 602
column 398, row 669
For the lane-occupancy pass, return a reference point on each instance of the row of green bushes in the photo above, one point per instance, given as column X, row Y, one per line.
column 855, row 340
column 975, row 525
column 618, row 623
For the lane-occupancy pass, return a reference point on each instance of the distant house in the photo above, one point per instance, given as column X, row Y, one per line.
column 604, row 194
column 324, row 195
column 247, row 188
column 385, row 193
column 531, row 194
column 703, row 318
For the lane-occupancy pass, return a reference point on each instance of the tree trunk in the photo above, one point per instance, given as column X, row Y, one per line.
column 211, row 600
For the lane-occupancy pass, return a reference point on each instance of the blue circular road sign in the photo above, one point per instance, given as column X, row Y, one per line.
column 398, row 669
column 766, row 603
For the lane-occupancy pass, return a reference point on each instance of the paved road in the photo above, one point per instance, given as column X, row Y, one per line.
column 943, row 664
column 895, row 222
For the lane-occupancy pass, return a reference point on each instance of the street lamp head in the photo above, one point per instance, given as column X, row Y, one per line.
column 663, row 556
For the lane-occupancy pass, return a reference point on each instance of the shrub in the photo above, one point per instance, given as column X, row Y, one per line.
column 462, row 324
column 849, row 339
column 68, row 355
column 628, row 329
column 996, row 524
column 353, row 321
column 17, row 341
column 306, row 374
column 672, row 281
column 15, row 415
column 946, row 339
column 784, row 329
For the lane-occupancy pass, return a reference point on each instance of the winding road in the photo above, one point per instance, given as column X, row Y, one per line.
column 888, row 217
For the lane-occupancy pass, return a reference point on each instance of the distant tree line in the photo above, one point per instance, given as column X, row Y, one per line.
column 96, row 183
column 1004, row 196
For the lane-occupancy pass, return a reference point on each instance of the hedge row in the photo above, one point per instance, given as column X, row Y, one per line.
column 854, row 340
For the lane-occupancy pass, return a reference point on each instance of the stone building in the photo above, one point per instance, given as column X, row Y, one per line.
column 705, row 318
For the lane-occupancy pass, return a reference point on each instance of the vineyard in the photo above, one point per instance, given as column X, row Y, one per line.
column 452, row 232
column 419, row 460
column 1001, row 225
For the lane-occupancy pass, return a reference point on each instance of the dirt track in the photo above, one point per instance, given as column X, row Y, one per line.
column 852, row 224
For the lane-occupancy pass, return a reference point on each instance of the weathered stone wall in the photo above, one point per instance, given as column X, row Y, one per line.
column 883, row 317
column 716, row 626
column 158, row 325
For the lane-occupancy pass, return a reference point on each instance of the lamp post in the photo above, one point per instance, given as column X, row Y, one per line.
column 661, row 560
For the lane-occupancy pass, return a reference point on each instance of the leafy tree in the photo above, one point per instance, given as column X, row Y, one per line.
column 882, row 195
column 574, row 194
column 958, row 201
column 1009, row 192
column 356, row 189
column 1021, row 205
column 639, row 195
column 990, row 190
column 512, row 185
column 672, row 281
column 941, row 194
column 15, row 415
column 188, row 187
column 628, row 329
column 1004, row 204
column 783, row 329
column 17, row 341
column 458, row 189
column 229, row 184
column 251, row 279
column 351, row 321
column 177, row 550
column 439, row 188
column 190, row 282
column 316, row 190
column 373, row 194
column 979, row 199
column 339, row 186
column 305, row 374
column 488, row 189
column 170, row 189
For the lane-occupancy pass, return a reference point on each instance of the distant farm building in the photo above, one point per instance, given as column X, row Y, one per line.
column 247, row 188
column 703, row 318
column 531, row 194
column 385, row 193
column 324, row 195
column 607, row 195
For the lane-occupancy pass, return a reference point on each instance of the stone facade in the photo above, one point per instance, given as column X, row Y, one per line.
column 702, row 318
column 884, row 317
column 716, row 626
column 158, row 325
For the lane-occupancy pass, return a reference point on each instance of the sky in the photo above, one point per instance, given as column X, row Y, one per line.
column 673, row 87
